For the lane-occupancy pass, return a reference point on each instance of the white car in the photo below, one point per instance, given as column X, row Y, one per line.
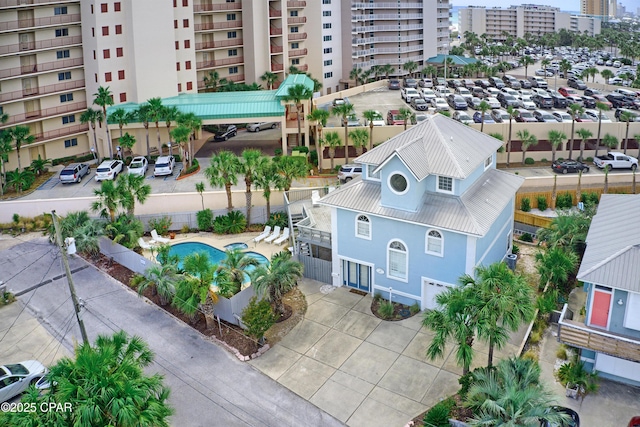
column 493, row 92
column 527, row 103
column 109, row 169
column 440, row 104
column 164, row 166
column 138, row 166
column 525, row 92
column 428, row 94
column 442, row 91
column 493, row 102
column 595, row 115
column 464, row 92
column 377, row 121
column 510, row 91
column 257, row 127
column 16, row 378
column 562, row 117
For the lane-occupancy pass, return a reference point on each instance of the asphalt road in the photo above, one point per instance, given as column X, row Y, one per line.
column 208, row 385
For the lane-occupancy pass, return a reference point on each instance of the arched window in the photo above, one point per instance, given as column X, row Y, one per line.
column 435, row 243
column 363, row 227
column 397, row 260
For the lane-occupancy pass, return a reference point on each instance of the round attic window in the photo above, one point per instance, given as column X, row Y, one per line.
column 398, row 183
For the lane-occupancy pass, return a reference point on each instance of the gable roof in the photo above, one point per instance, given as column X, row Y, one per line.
column 292, row 80
column 438, row 145
column 473, row 213
column 457, row 60
column 612, row 257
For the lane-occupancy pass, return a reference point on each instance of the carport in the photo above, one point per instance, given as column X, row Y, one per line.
column 455, row 60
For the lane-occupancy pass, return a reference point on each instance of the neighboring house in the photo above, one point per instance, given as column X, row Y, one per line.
column 430, row 207
column 610, row 269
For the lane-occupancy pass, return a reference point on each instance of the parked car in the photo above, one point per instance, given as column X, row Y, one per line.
column 588, row 102
column 617, row 100
column 493, row 102
column 619, row 111
column 425, row 83
column 574, row 99
column 499, row 116
column 496, row 82
column 603, row 99
column 257, row 127
column 454, row 83
column 463, row 92
column 420, row 104
column 538, row 82
column 232, row 130
column 571, row 414
column 457, row 102
column 393, row 85
column 349, row 172
column 562, row 117
column 543, row 73
column 352, row 120
column 418, row 118
column 17, row 377
column 462, row 117
column 569, row 166
column 442, row 91
column 412, row 83
column 615, row 160
column 474, row 103
column 582, row 118
column 526, row 102
column 440, row 104
column 542, row 101
column 339, row 101
column 544, row 116
column 468, row 83
column 406, row 93
column 378, row 120
column 576, row 83
column 74, row 172
column 634, row 422
column 590, row 92
column 477, row 117
column 559, row 101
column 138, row 166
column 507, row 100
column 164, row 166
column 393, row 118
column 525, row 84
column 109, row 169
column 567, row 91
column 525, row 116
column 483, row 83
column 596, row 115
column 478, row 92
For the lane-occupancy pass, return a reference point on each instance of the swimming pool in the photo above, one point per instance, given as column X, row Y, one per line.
column 238, row 245
column 215, row 255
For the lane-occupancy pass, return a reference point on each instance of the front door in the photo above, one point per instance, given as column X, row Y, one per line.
column 356, row 275
column 599, row 315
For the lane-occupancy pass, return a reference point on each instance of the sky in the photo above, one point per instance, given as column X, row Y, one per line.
column 571, row 5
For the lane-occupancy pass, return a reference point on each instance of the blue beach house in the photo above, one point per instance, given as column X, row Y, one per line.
column 430, row 207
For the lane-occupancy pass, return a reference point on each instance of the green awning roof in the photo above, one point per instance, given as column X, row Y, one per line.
column 292, row 80
column 457, row 60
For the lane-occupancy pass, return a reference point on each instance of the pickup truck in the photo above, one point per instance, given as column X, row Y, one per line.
column 615, row 160
column 407, row 93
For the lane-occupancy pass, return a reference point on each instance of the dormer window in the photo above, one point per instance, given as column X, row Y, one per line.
column 370, row 174
column 398, row 183
column 488, row 162
column 445, row 184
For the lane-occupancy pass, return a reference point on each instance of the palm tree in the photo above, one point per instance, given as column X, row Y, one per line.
column 356, row 74
column 274, row 280
column 155, row 115
column 193, row 292
column 161, row 279
column 526, row 61
column 37, row 166
column 127, row 142
column 410, row 67
column 370, row 116
column 565, row 66
column 483, row 107
column 406, row 115
column 344, row 111
column 556, row 138
column 601, row 107
column 250, row 163
column 584, row 135
column 20, row 135
column 609, row 141
column 575, row 110
column 102, row 98
column 121, row 117
column 332, row 140
column 19, row 179
column 235, row 265
column 267, row 177
column 513, row 113
column 212, row 80
column 132, row 189
column 606, row 75
column 108, row 199
column 180, row 136
column 125, row 230
column 170, row 115
column 527, row 140
column 506, row 301
column 5, row 149
column 359, row 138
column 270, row 78
column 628, row 117
column 92, row 116
column 193, row 123
column 223, row 172
column 87, row 237
column 511, row 395
column 296, row 94
column 290, row 168
column 320, row 118
column 555, row 265
column 200, row 190
column 143, row 114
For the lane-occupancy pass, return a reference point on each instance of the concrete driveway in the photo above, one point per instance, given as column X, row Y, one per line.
column 208, row 385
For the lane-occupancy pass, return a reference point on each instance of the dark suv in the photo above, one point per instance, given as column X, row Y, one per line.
column 507, row 100
column 559, row 101
column 618, row 101
column 542, row 101
column 226, row 132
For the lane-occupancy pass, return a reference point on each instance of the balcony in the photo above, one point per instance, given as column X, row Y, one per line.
column 275, row 31
column 42, row 90
column 367, row 6
column 387, row 39
column 579, row 335
column 58, row 133
column 276, row 49
column 40, row 22
column 40, row 44
column 295, row 4
column 233, row 78
column 386, row 17
column 395, row 28
column 205, row 26
column 391, row 50
column 38, row 68
column 296, row 20
column 275, row 13
column 48, row 112
column 218, row 43
column 216, row 7
column 12, row 3
column 220, row 62
column 297, row 36
column 297, row 52
column 303, row 67
column 277, row 67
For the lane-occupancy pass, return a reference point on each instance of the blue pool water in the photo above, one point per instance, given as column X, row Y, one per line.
column 215, row 255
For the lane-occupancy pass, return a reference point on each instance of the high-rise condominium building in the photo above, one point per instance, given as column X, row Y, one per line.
column 601, row 8
column 380, row 32
column 522, row 19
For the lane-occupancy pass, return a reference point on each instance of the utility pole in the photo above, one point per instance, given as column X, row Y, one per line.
column 72, row 289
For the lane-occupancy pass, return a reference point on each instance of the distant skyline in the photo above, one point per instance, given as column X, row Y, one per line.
column 572, row 5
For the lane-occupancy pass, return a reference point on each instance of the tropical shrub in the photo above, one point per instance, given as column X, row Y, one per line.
column 278, row 219
column 414, row 309
column 438, row 416
column 526, row 237
column 386, row 309
column 535, row 338
column 161, row 225
column 530, row 355
column 589, row 159
column 258, row 317
column 125, row 230
column 163, row 256
column 313, row 157
column 232, row 223
column 277, row 152
column 205, row 220
column 564, row 201
column 194, row 167
column 542, row 203
column 300, row 149
column 529, row 161
column 515, row 249
column 561, row 352
column 525, row 204
column 574, row 375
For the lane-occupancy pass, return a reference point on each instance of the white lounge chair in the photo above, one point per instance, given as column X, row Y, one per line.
column 263, row 235
column 284, row 238
column 274, row 235
column 315, row 197
column 144, row 245
column 155, row 237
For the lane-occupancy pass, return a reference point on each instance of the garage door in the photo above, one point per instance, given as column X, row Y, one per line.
column 618, row 367
column 431, row 289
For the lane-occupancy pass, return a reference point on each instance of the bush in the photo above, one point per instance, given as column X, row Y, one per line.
column 163, row 256
column 589, row 159
column 529, row 161
column 526, row 237
column 185, row 229
column 278, row 219
column 301, row 149
column 544, row 160
column 561, row 352
column 161, row 225
column 542, row 203
column 530, row 355
column 515, row 249
column 193, row 168
column 386, row 310
column 313, row 157
column 277, row 152
column 535, row 337
column 438, row 416
column 258, row 317
column 205, row 220
column 564, row 201
column 414, row 309
column 232, row 223
column 525, row 204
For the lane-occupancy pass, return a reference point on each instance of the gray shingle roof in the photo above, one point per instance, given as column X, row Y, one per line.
column 612, row 257
column 473, row 213
column 439, row 145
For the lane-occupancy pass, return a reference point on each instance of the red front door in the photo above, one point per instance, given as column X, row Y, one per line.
column 600, row 309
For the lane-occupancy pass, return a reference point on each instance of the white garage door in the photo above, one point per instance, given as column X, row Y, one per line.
column 619, row 367
column 430, row 289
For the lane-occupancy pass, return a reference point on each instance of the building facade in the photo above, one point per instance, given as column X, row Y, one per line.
column 520, row 20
